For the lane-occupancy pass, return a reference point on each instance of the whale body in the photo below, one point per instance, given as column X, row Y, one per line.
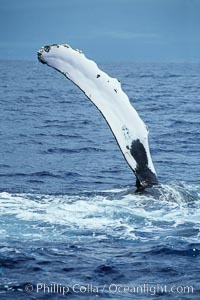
column 107, row 95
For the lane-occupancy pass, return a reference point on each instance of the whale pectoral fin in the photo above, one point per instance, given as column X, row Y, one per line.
column 107, row 95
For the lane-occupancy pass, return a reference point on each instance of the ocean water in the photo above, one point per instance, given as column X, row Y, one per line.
column 71, row 224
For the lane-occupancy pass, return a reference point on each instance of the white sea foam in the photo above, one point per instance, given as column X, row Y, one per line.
column 119, row 214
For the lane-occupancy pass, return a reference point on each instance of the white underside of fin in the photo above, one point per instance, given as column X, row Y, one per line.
column 106, row 94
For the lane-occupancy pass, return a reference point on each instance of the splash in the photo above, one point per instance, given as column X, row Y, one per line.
column 169, row 211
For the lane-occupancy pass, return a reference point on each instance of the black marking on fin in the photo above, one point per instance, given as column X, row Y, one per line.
column 145, row 177
column 47, row 48
column 139, row 153
column 115, row 90
column 39, row 55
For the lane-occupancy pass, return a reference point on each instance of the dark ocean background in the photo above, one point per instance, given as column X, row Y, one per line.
column 68, row 211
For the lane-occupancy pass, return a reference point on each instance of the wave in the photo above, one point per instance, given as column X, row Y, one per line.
column 162, row 213
column 78, row 150
column 153, row 76
column 38, row 174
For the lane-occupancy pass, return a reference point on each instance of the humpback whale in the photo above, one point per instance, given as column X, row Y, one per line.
column 106, row 94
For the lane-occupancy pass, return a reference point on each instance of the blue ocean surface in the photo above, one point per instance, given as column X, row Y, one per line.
column 71, row 224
